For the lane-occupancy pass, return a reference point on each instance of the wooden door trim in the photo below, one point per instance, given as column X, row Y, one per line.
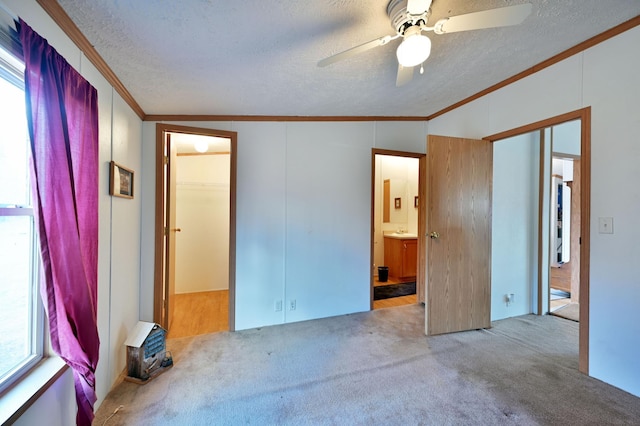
column 161, row 129
column 421, row 212
column 585, row 247
column 584, row 115
column 539, row 125
column 540, row 221
column 159, row 231
column 423, row 196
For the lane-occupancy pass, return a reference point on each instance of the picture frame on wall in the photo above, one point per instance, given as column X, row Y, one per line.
column 121, row 181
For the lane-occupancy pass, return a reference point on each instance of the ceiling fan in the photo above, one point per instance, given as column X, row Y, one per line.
column 409, row 19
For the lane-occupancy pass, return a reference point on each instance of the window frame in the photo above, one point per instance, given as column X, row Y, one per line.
column 12, row 71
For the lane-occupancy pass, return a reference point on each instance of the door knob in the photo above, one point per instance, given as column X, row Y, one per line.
column 177, row 230
column 434, row 235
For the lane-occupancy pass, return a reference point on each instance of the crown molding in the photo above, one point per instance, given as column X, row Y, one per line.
column 174, row 117
column 61, row 18
column 580, row 47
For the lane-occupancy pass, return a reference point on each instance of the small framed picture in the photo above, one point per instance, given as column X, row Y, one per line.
column 398, row 202
column 121, row 181
column 415, row 201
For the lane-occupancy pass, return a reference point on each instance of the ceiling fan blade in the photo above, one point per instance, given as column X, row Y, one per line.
column 405, row 75
column 501, row 17
column 418, row 7
column 356, row 50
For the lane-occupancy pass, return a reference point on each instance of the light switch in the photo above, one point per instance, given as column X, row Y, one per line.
column 605, row 225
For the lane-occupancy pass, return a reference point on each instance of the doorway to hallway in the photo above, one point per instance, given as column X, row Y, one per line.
column 541, row 288
column 194, row 289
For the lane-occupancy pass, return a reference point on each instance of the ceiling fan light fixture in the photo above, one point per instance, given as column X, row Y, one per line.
column 414, row 49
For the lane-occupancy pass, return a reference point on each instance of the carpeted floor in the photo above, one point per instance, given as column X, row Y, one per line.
column 376, row 368
column 393, row 290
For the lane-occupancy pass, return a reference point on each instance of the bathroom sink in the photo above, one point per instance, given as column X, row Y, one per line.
column 401, row 235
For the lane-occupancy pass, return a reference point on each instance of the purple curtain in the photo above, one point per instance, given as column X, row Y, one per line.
column 62, row 110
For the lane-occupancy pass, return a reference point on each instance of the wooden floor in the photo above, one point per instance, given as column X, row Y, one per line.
column 560, row 277
column 394, row 301
column 200, row 313
column 558, row 303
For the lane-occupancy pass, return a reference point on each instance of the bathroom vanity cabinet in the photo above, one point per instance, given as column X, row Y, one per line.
column 401, row 255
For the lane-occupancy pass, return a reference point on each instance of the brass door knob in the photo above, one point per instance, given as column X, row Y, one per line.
column 434, row 235
column 177, row 230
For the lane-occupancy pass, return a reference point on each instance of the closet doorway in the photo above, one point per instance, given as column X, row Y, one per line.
column 194, row 288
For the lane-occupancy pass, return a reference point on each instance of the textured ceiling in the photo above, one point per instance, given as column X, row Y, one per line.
column 258, row 57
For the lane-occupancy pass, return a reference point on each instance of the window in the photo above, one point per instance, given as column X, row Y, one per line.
column 21, row 312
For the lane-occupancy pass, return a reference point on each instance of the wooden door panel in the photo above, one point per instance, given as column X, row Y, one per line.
column 458, row 285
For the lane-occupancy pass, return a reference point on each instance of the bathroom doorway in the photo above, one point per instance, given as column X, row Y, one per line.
column 398, row 220
column 195, row 230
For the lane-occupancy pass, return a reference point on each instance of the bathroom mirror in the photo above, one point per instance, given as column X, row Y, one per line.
column 394, row 201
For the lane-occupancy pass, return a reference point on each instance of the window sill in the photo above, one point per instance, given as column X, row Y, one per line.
column 17, row 399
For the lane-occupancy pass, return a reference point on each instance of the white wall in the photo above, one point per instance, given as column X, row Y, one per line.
column 605, row 78
column 303, row 214
column 124, row 283
column 56, row 406
column 119, row 243
column 611, row 87
column 514, row 238
column 202, row 214
column 566, row 138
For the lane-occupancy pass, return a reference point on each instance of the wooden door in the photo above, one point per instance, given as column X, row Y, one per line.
column 459, row 223
column 170, row 234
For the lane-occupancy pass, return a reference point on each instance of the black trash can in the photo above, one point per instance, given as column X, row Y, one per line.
column 383, row 274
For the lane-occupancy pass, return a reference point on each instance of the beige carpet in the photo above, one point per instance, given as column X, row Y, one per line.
column 376, row 368
column 570, row 312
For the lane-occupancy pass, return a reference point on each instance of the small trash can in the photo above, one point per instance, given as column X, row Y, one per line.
column 383, row 274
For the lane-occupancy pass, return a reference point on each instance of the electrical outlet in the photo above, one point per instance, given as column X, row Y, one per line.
column 509, row 298
column 605, row 225
column 278, row 305
column 292, row 304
